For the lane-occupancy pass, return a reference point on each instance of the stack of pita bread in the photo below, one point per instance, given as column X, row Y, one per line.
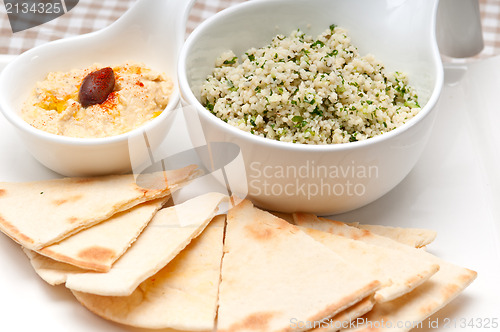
column 130, row 259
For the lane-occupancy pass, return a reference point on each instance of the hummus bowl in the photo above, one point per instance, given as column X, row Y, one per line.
column 151, row 32
column 324, row 179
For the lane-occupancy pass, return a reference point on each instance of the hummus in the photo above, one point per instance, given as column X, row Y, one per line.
column 139, row 95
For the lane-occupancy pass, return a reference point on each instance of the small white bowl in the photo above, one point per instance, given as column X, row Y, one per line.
column 321, row 179
column 151, row 32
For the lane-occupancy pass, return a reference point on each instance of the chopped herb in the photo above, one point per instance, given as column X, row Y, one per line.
column 251, row 57
column 411, row 104
column 333, row 53
column 231, row 62
column 311, row 102
column 332, row 27
column 318, row 43
column 340, row 89
column 231, row 86
column 299, row 121
column 317, row 111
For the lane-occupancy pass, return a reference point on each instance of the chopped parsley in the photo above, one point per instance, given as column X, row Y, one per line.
column 231, row 62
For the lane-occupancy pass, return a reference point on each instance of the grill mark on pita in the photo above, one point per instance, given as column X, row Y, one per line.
column 467, row 277
column 255, row 321
column 428, row 309
column 449, row 290
column 74, row 263
column 69, row 199
column 259, row 233
column 97, row 253
column 72, row 220
column 2, row 192
column 271, row 228
column 359, row 234
column 142, row 190
column 13, row 232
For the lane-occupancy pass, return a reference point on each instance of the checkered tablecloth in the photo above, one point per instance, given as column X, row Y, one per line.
column 91, row 15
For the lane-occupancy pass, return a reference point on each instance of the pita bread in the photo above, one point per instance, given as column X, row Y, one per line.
column 414, row 237
column 98, row 247
column 413, row 307
column 272, row 273
column 342, row 229
column 158, row 244
column 51, row 271
column 183, row 295
column 344, row 318
column 421, row 303
column 399, row 272
column 62, row 207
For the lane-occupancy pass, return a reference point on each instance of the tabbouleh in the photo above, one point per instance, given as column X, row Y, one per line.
column 304, row 90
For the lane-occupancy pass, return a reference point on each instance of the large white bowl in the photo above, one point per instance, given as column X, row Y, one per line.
column 321, row 179
column 151, row 32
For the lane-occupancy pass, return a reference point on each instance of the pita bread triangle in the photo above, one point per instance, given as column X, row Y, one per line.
column 98, row 247
column 398, row 272
column 51, row 271
column 273, row 273
column 344, row 318
column 158, row 244
column 415, row 306
column 183, row 295
column 37, row 214
column 415, row 237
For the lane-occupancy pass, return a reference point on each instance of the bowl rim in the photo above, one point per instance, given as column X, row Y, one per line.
column 14, row 116
column 191, row 100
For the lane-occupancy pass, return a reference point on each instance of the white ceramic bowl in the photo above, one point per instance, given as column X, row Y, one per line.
column 321, row 179
column 151, row 32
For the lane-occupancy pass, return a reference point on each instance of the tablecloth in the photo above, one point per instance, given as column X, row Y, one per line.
column 91, row 15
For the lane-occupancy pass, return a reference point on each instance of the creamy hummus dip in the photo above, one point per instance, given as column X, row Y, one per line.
column 140, row 94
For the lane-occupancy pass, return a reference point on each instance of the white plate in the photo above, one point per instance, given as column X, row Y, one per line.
column 453, row 189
